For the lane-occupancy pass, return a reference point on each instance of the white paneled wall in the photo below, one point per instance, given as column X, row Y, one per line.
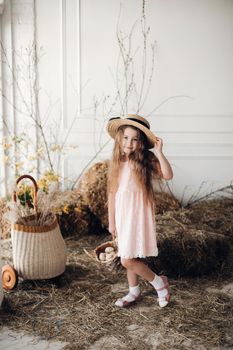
column 17, row 35
column 189, row 104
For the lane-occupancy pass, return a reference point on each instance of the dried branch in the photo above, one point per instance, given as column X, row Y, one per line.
column 89, row 163
column 208, row 195
column 165, row 101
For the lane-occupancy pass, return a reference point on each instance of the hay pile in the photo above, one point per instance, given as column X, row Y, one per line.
column 188, row 251
column 165, row 202
column 214, row 214
column 94, row 190
column 5, row 226
column 78, row 308
column 76, row 217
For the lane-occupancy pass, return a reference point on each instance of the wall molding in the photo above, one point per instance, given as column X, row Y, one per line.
column 191, row 116
column 199, row 157
column 1, row 6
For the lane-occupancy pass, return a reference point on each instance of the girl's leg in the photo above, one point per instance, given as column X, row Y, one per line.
column 139, row 268
column 134, row 290
column 132, row 278
column 159, row 283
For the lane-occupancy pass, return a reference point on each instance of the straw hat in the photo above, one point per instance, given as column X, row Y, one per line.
column 132, row 120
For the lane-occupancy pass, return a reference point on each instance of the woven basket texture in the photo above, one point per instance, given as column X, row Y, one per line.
column 101, row 248
column 39, row 252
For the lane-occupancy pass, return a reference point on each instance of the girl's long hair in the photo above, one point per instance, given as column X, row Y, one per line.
column 145, row 164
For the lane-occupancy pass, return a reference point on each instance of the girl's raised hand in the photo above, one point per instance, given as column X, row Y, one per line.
column 158, row 145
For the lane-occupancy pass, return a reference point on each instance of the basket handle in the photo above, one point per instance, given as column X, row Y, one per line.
column 35, row 189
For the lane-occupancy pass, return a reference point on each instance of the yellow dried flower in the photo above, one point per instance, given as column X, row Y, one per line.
column 57, row 210
column 18, row 165
column 33, row 157
column 56, row 148
column 42, row 184
column 6, row 159
column 6, row 145
column 40, row 151
column 66, row 209
column 51, row 176
column 17, row 139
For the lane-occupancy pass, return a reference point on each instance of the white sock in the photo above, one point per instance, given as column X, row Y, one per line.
column 158, row 283
column 133, row 292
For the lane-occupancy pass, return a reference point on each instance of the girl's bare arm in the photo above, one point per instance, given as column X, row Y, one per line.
column 111, row 214
column 165, row 166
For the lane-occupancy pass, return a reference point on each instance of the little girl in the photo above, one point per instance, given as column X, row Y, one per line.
column 131, row 201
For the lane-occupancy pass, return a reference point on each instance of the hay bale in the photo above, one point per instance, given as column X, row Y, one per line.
column 193, row 253
column 77, row 220
column 75, row 224
column 185, row 250
column 94, row 190
column 165, row 202
column 189, row 252
column 214, row 214
column 5, row 226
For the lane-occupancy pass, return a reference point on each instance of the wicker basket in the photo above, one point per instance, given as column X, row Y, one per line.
column 39, row 252
column 101, row 249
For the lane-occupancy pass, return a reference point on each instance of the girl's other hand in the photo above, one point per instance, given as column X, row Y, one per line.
column 112, row 230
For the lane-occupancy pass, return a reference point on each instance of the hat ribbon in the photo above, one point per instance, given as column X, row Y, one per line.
column 134, row 120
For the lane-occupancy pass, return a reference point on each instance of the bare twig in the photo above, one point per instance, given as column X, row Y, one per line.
column 207, row 196
column 89, row 162
column 165, row 101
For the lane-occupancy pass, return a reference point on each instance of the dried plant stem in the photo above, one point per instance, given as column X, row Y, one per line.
column 89, row 163
column 166, row 100
column 179, row 223
column 30, row 107
column 207, row 196
column 38, row 124
column 31, row 113
column 144, row 54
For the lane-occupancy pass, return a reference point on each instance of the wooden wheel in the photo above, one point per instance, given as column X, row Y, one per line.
column 9, row 277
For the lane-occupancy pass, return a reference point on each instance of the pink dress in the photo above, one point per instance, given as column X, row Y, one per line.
column 134, row 217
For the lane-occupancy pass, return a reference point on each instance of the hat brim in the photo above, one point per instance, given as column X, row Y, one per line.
column 114, row 125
